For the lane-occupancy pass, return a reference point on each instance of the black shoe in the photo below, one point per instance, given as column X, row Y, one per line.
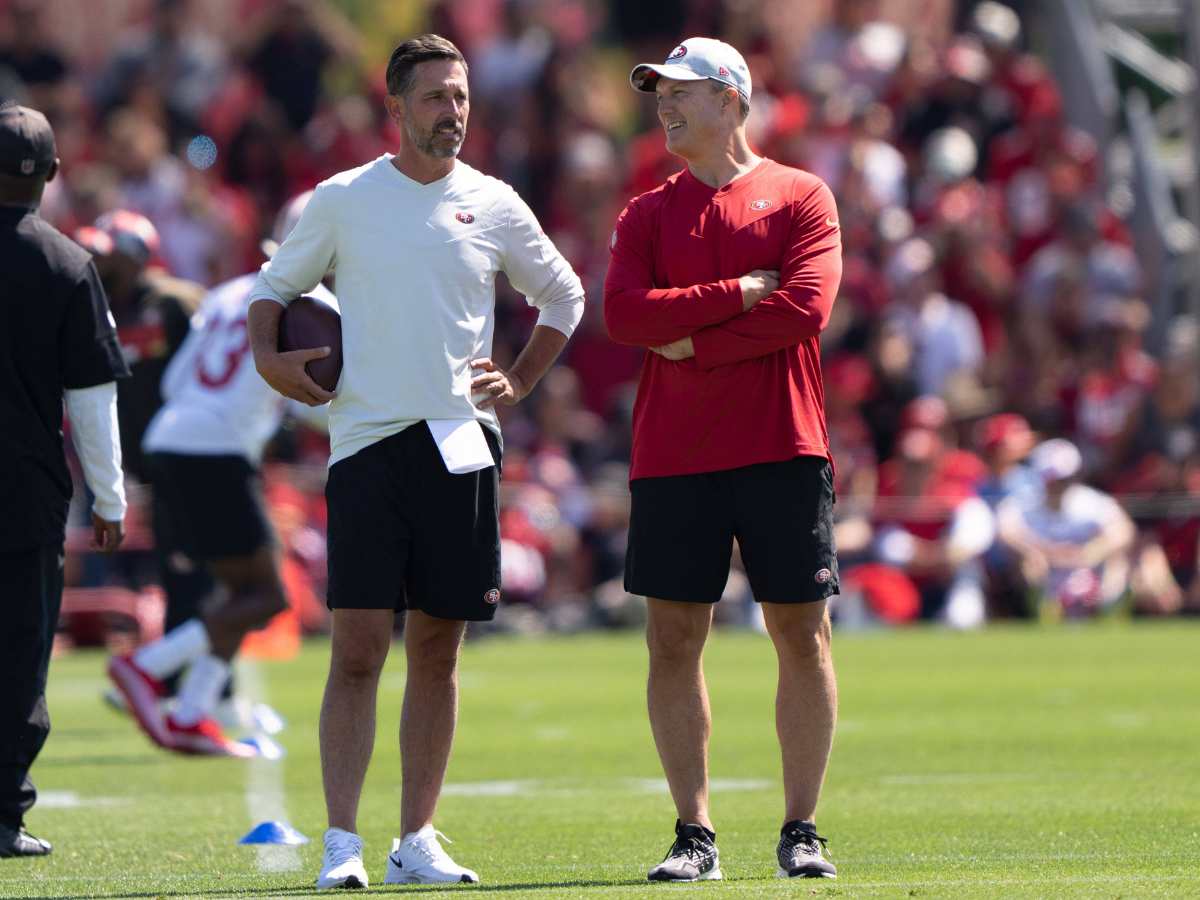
column 693, row 856
column 801, row 852
column 19, row 842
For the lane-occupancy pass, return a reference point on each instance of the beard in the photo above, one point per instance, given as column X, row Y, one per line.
column 434, row 142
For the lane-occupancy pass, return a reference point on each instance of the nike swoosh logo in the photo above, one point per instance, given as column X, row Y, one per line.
column 831, row 223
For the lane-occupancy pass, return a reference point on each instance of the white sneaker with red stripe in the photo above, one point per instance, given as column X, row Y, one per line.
column 142, row 693
column 204, row 738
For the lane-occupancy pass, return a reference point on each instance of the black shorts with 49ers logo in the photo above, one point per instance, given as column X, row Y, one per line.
column 682, row 529
column 404, row 533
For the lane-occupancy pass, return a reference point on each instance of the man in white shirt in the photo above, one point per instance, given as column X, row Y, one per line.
column 203, row 450
column 1074, row 544
column 416, row 240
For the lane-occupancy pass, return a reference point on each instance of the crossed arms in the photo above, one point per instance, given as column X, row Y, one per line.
column 734, row 319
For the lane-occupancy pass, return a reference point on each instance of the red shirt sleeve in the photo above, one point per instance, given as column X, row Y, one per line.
column 638, row 313
column 809, row 278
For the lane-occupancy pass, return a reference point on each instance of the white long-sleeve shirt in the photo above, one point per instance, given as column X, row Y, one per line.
column 416, row 267
column 216, row 402
column 97, row 440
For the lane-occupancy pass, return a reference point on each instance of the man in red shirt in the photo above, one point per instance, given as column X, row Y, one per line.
column 727, row 272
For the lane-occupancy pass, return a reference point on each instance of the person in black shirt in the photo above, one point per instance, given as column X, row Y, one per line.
column 57, row 339
column 153, row 314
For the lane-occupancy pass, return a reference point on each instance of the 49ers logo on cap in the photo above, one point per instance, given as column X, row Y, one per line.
column 464, row 217
column 760, row 204
column 678, row 53
column 823, row 576
column 492, row 596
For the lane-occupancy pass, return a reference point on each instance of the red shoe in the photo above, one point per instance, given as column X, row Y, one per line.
column 142, row 692
column 205, row 738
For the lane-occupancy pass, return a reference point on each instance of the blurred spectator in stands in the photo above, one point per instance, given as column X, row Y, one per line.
column 1043, row 165
column 289, row 46
column 153, row 313
column 1162, row 484
column 27, row 54
column 934, row 527
column 955, row 100
column 1004, row 441
column 513, row 60
column 855, row 42
column 848, row 383
column 1108, row 268
column 170, row 60
column 944, row 334
column 1074, row 545
column 1016, row 75
column 955, row 460
column 1115, row 382
column 892, row 365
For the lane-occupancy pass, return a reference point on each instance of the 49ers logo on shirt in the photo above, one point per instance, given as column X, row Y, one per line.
column 678, row 53
column 761, row 204
column 492, row 597
column 465, row 217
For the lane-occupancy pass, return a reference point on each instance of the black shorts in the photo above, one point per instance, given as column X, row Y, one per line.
column 682, row 529
column 213, row 504
column 406, row 534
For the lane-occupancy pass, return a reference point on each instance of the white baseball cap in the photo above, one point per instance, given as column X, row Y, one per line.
column 1056, row 460
column 697, row 59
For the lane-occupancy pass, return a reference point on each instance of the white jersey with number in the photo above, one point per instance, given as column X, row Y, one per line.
column 215, row 400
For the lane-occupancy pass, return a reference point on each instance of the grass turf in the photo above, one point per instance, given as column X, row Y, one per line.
column 1016, row 762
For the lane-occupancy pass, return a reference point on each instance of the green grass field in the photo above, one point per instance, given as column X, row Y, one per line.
column 1014, row 762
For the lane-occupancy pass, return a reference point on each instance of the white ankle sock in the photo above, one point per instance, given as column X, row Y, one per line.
column 174, row 650
column 201, row 689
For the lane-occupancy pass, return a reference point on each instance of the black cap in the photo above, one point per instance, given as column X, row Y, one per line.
column 26, row 141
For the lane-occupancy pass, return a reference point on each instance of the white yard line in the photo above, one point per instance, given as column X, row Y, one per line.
column 265, row 797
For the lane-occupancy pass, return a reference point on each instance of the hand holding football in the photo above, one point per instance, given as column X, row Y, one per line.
column 307, row 323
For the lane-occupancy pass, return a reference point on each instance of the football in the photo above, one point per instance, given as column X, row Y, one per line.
column 306, row 323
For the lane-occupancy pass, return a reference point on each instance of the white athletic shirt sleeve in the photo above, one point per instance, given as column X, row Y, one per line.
column 536, row 269
column 306, row 257
column 97, row 440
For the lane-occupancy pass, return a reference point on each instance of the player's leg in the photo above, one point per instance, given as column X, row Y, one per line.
column 680, row 543
column 454, row 578
column 187, row 582
column 677, row 701
column 369, row 545
column 429, row 713
column 254, row 593
column 785, row 532
column 806, row 700
column 360, row 642
column 31, row 584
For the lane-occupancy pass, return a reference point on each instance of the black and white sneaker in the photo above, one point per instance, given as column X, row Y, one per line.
column 693, row 856
column 801, row 852
column 19, row 842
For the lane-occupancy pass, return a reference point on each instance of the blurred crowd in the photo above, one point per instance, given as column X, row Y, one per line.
column 1006, row 443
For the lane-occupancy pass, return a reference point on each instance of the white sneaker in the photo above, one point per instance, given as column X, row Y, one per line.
column 343, row 865
column 420, row 859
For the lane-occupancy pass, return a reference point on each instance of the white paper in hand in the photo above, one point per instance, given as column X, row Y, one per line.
column 462, row 445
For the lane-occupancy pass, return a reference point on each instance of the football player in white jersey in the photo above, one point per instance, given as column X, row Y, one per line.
column 204, row 448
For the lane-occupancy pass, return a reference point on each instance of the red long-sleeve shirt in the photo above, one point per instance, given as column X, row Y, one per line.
column 752, row 393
